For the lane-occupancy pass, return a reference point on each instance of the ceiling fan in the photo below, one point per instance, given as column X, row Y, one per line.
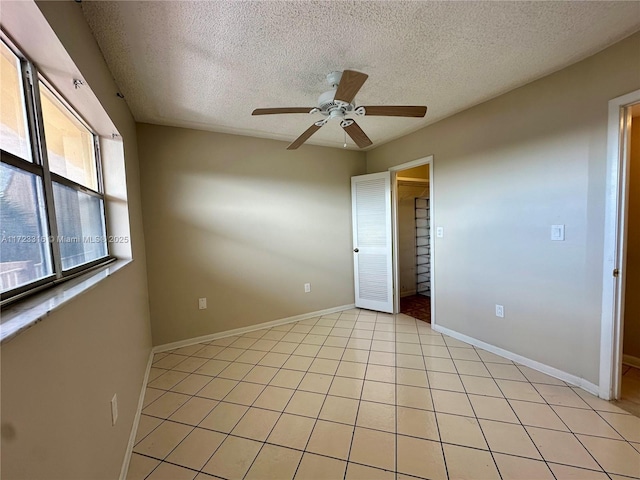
column 338, row 103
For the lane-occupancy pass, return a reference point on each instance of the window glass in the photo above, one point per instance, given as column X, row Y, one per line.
column 37, row 197
column 70, row 146
column 81, row 233
column 14, row 136
column 25, row 255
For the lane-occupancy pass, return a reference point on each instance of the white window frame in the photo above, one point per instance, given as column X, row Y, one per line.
column 39, row 166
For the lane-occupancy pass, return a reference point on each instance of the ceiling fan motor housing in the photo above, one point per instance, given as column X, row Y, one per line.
column 327, row 104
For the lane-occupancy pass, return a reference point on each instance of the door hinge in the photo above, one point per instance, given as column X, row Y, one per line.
column 616, row 272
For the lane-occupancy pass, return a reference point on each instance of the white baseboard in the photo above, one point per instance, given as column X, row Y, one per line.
column 527, row 362
column 631, row 361
column 136, row 421
column 250, row 328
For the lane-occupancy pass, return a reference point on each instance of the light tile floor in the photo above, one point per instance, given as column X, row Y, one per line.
column 360, row 395
column 630, row 394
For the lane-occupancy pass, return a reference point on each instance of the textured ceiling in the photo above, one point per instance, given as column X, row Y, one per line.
column 207, row 65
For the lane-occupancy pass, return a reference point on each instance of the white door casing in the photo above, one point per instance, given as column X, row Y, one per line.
column 372, row 241
column 615, row 228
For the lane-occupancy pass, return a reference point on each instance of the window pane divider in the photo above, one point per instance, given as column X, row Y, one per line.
column 47, row 182
column 76, row 186
column 11, row 159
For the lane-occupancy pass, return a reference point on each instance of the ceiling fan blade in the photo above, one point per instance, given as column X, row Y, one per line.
column 357, row 135
column 350, row 85
column 271, row 111
column 304, row 137
column 396, row 111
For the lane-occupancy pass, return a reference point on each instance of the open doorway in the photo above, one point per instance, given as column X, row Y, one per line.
column 412, row 239
column 620, row 339
column 630, row 381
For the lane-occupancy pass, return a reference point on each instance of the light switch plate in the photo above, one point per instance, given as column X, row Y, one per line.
column 557, row 233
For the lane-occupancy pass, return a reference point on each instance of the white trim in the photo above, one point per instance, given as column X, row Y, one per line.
column 395, row 240
column 413, row 163
column 527, row 362
column 136, row 421
column 428, row 160
column 249, row 328
column 614, row 254
column 631, row 361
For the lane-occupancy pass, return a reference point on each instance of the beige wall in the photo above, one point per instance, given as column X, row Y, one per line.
column 631, row 336
column 504, row 172
column 59, row 376
column 244, row 223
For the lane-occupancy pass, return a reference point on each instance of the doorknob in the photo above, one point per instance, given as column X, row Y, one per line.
column 356, row 250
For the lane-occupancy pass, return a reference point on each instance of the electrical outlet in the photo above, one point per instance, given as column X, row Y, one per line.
column 202, row 303
column 440, row 232
column 114, row 409
column 307, row 287
column 500, row 311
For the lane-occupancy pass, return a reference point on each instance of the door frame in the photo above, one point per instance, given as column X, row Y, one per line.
column 394, row 230
column 615, row 243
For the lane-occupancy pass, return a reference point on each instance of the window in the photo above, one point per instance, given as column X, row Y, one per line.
column 52, row 218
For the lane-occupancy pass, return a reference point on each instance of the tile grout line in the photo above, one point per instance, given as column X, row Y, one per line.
column 319, row 411
column 248, row 407
column 264, row 387
column 616, row 430
column 435, row 415
column 355, row 420
column 378, row 468
column 475, row 415
column 382, row 381
column 521, row 424
column 194, row 427
column 283, row 410
column 370, row 350
column 570, row 431
column 219, row 401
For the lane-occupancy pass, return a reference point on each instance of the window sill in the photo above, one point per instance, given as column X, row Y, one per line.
column 26, row 313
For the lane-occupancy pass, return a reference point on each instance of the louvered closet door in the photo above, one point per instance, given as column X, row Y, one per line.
column 372, row 267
